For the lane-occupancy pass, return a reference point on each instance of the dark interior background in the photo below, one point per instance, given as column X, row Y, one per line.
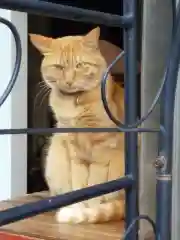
column 60, row 27
column 64, row 27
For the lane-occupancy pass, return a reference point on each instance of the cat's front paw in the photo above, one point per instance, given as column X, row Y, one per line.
column 71, row 214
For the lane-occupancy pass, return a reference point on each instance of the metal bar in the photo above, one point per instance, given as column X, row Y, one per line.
column 67, row 12
column 164, row 166
column 163, row 210
column 32, row 209
column 32, row 131
column 131, row 113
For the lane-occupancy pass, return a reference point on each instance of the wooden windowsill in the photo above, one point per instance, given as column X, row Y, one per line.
column 44, row 226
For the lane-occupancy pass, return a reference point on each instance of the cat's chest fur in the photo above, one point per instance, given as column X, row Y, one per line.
column 79, row 111
column 65, row 109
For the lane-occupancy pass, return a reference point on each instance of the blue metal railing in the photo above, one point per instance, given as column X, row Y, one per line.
column 130, row 181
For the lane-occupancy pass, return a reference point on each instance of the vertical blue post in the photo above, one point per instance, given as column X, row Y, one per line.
column 164, row 162
column 131, row 156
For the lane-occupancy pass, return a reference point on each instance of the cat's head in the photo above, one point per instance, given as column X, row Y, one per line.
column 73, row 63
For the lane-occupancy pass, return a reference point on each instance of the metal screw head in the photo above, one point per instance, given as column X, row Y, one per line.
column 159, row 162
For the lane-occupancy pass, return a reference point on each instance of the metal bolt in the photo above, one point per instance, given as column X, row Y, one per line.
column 159, row 162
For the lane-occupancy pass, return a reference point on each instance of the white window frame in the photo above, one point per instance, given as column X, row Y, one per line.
column 13, row 113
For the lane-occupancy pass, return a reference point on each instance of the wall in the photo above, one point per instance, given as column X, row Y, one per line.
column 157, row 25
column 13, row 113
column 176, row 166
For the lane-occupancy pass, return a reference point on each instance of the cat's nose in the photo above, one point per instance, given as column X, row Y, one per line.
column 69, row 84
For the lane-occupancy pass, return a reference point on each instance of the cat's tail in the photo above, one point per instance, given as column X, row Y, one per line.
column 105, row 212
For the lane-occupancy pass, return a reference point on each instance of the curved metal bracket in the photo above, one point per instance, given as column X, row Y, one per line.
column 17, row 61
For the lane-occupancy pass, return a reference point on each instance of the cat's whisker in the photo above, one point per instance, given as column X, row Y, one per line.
column 44, row 87
column 41, row 82
column 42, row 91
column 44, row 96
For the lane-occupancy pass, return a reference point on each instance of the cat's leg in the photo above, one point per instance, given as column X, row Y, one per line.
column 79, row 175
column 116, row 200
column 74, row 213
column 58, row 166
column 108, row 166
column 116, row 169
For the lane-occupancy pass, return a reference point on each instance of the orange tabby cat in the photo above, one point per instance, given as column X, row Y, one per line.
column 72, row 68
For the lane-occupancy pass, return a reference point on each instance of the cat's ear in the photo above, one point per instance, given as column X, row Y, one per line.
column 91, row 39
column 41, row 43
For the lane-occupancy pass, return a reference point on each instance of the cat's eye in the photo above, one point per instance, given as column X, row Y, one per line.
column 85, row 64
column 78, row 65
column 57, row 66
